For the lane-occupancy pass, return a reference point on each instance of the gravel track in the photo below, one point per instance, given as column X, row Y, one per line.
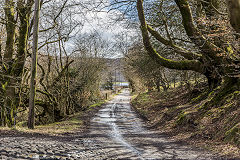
column 116, row 132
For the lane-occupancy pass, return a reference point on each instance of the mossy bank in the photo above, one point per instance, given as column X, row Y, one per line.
column 193, row 116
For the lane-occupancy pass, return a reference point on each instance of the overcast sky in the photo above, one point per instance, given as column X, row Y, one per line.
column 90, row 20
column 105, row 24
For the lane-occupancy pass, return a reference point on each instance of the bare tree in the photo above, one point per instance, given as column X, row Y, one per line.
column 34, row 66
column 211, row 60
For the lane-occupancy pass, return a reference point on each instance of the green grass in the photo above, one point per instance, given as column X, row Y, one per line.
column 98, row 104
column 70, row 124
column 67, row 126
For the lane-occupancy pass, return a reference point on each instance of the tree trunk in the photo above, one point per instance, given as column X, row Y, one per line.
column 0, row 49
column 209, row 6
column 8, row 90
column 214, row 59
column 10, row 103
column 234, row 8
column 34, row 67
column 158, row 85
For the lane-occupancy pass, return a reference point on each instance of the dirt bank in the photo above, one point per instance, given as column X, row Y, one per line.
column 181, row 114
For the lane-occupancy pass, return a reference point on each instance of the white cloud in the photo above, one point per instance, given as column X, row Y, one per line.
column 106, row 24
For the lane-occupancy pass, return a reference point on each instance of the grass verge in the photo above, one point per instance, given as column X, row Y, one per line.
column 77, row 122
column 215, row 128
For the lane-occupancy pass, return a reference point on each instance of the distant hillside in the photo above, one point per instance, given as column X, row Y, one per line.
column 115, row 66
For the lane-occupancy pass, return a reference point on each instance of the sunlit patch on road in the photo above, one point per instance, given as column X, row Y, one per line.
column 115, row 132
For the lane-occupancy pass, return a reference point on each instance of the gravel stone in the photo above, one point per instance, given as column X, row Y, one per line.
column 116, row 132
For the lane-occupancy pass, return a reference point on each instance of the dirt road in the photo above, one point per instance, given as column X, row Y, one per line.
column 119, row 134
column 115, row 132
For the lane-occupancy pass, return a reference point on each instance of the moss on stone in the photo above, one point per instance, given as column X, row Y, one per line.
column 172, row 109
column 181, row 118
column 233, row 135
column 200, row 97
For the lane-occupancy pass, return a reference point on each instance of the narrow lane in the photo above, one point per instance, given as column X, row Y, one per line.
column 117, row 133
